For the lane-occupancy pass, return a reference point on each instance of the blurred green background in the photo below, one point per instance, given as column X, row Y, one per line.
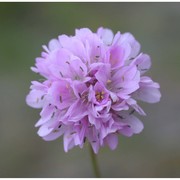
column 25, row 27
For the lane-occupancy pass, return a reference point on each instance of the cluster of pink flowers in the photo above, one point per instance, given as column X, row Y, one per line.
column 91, row 87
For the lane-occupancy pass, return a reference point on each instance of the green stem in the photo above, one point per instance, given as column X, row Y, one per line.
column 94, row 162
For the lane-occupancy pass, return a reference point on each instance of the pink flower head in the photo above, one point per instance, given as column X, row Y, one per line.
column 91, row 87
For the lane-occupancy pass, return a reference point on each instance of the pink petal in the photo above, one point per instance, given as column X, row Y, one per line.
column 112, row 141
column 76, row 111
column 35, row 99
column 68, row 141
column 143, row 62
column 132, row 125
column 135, row 46
column 103, row 74
column 134, row 105
column 45, row 129
column 118, row 55
column 136, row 125
column 106, row 35
column 53, row 135
column 148, row 94
column 54, row 44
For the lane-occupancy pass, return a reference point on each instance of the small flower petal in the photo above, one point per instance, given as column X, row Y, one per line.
column 106, row 35
column 112, row 141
